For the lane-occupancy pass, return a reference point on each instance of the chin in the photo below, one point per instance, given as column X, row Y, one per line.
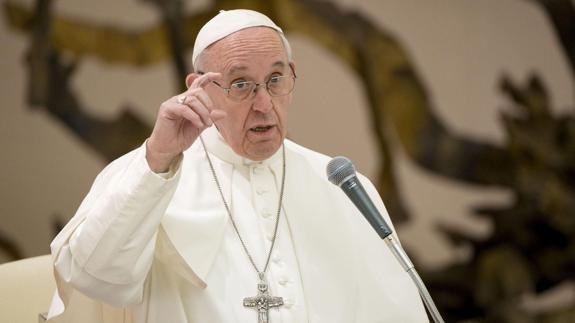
column 263, row 150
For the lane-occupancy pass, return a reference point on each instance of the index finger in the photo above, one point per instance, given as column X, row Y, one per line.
column 204, row 79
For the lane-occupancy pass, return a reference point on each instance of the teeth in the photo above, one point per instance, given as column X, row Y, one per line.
column 260, row 129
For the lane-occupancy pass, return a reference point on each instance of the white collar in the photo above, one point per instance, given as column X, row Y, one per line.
column 218, row 147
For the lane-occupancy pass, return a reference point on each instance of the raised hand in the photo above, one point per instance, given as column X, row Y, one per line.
column 180, row 121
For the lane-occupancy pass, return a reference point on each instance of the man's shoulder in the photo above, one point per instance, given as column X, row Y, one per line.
column 309, row 158
column 307, row 153
column 316, row 160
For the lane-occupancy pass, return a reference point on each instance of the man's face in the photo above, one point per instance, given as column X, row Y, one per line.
column 256, row 126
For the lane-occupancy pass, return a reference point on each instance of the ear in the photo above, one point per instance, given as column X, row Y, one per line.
column 190, row 79
column 292, row 66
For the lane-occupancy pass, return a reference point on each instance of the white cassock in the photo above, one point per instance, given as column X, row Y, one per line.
column 161, row 248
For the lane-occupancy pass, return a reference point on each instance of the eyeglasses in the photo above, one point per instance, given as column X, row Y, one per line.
column 277, row 85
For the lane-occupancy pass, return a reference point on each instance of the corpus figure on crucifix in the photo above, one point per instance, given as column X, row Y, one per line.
column 263, row 302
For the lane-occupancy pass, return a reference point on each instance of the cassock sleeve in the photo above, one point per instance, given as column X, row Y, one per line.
column 106, row 250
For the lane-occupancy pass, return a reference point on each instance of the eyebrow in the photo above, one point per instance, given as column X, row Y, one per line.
column 241, row 68
column 237, row 68
column 279, row 64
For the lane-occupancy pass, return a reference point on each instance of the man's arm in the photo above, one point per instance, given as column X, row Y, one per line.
column 106, row 250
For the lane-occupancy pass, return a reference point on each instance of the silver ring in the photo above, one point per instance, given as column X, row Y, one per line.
column 182, row 99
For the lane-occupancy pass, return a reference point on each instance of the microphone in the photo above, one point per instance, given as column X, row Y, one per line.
column 340, row 171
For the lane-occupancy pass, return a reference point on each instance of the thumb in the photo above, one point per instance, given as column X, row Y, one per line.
column 190, row 79
column 217, row 114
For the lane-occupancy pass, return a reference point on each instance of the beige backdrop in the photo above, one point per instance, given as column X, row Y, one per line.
column 460, row 48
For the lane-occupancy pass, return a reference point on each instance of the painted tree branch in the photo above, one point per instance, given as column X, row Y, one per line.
column 49, row 87
column 561, row 13
column 172, row 14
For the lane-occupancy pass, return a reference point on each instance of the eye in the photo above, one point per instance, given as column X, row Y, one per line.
column 276, row 78
column 240, row 85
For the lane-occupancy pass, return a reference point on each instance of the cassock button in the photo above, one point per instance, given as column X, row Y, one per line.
column 283, row 281
column 266, row 213
column 261, row 191
column 277, row 259
column 288, row 303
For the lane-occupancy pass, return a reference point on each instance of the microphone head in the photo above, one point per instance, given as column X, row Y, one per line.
column 338, row 169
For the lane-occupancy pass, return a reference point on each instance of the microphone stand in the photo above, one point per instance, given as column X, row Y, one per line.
column 340, row 172
column 406, row 263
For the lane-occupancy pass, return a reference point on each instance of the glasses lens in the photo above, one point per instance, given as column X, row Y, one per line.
column 240, row 90
column 280, row 85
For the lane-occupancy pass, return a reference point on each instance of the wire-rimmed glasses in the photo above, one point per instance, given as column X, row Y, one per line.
column 277, row 85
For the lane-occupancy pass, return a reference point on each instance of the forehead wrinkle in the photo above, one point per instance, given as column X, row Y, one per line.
column 242, row 68
column 243, row 47
column 237, row 53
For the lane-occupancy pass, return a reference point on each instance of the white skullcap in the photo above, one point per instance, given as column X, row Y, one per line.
column 228, row 22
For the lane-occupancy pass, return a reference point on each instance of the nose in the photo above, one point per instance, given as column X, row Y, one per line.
column 262, row 100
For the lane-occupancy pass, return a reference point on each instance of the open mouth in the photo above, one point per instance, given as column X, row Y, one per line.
column 261, row 128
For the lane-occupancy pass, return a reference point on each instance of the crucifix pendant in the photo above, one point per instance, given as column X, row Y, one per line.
column 263, row 301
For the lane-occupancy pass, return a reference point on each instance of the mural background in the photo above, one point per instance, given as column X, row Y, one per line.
column 453, row 107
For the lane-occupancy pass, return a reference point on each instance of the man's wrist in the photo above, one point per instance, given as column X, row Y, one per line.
column 157, row 161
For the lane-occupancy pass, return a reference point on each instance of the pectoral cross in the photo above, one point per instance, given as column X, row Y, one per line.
column 263, row 302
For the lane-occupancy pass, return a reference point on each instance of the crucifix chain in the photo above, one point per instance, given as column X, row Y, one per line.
column 263, row 301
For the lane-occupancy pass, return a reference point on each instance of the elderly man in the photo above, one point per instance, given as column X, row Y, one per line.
column 219, row 218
